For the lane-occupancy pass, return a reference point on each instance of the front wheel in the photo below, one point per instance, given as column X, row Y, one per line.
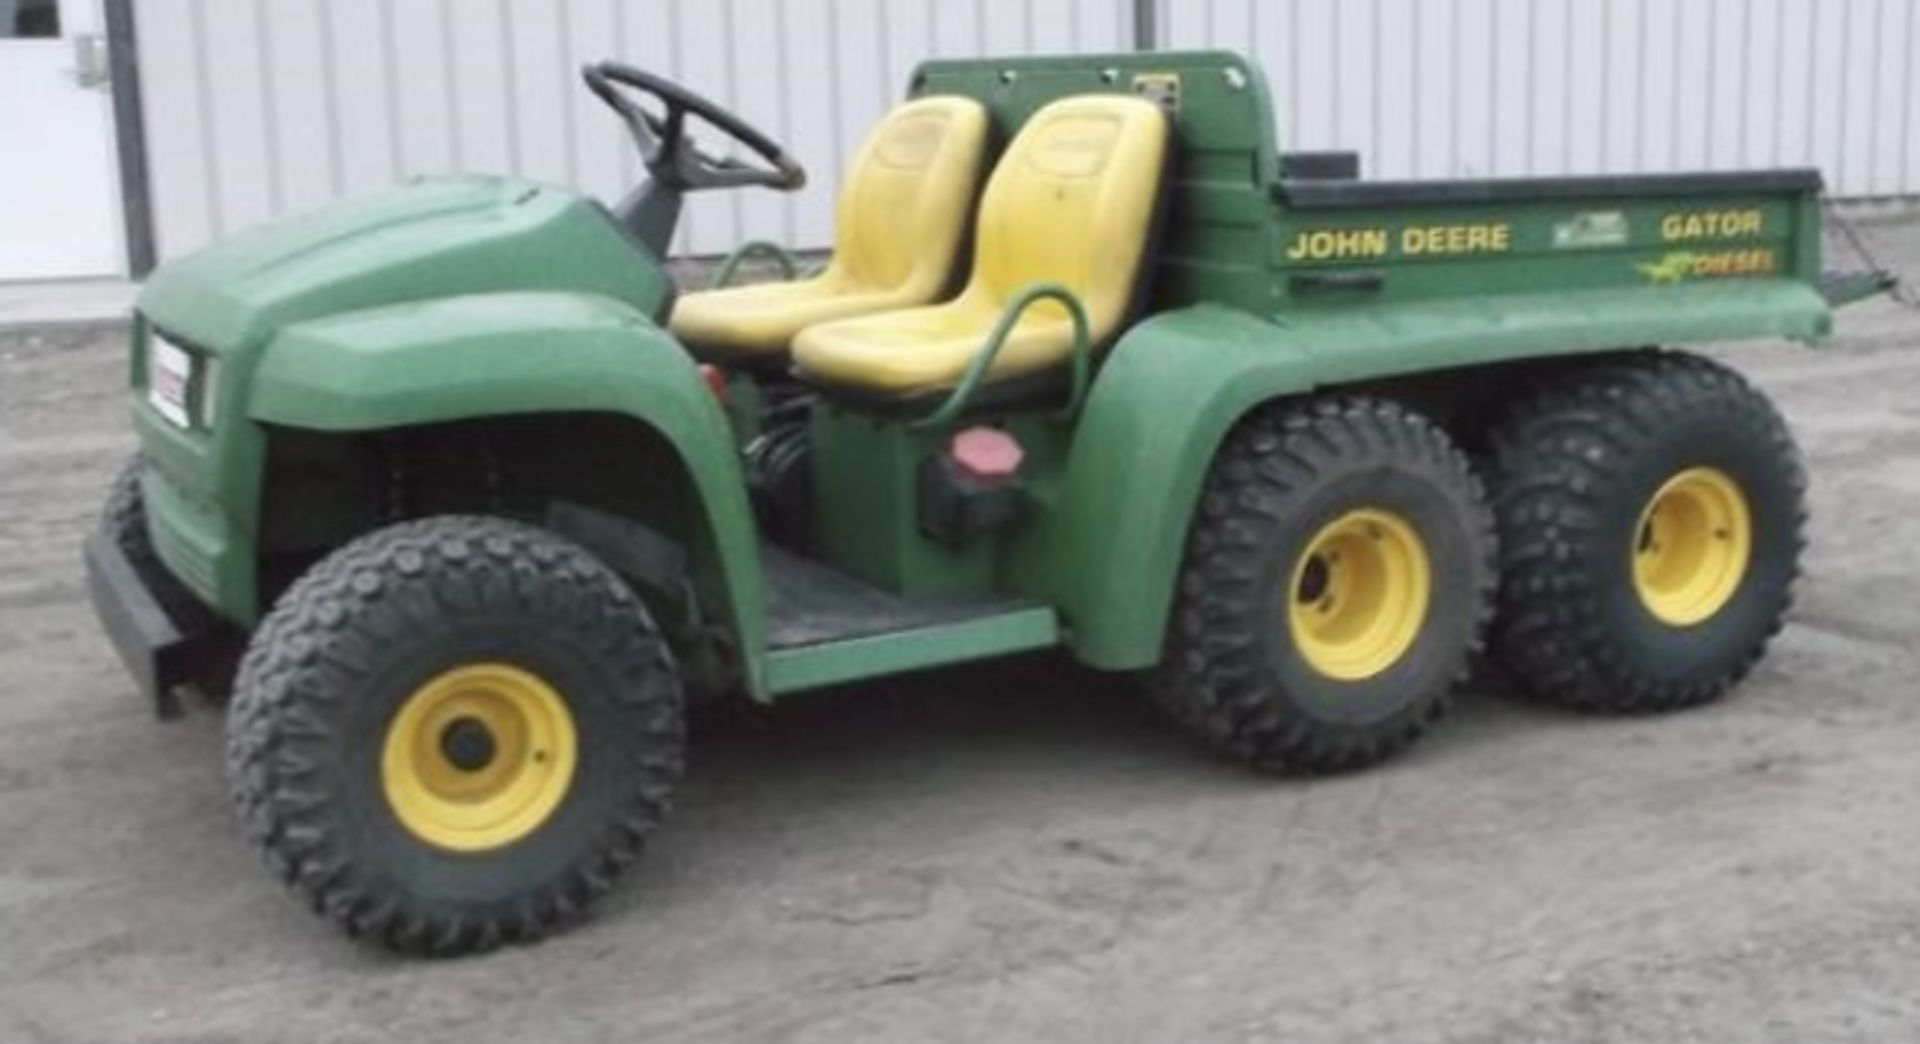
column 1338, row 578
column 454, row 732
column 123, row 518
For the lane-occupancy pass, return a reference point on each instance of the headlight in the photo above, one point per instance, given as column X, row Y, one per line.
column 169, row 380
column 181, row 383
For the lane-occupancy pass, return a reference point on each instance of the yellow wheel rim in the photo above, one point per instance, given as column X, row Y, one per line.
column 1691, row 547
column 478, row 757
column 1359, row 595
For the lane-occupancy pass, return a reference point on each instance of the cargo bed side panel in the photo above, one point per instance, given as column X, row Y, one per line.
column 1337, row 246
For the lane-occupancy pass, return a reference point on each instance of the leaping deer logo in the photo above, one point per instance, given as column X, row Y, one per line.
column 1672, row 268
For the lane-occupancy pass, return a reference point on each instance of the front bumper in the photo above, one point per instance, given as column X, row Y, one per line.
column 163, row 648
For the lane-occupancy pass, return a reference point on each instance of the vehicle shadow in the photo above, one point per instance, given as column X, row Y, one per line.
column 1040, row 704
column 890, row 772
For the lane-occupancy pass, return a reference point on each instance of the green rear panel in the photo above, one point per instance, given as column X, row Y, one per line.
column 1108, row 552
column 1649, row 241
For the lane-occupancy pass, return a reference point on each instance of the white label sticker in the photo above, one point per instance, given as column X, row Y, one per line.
column 169, row 373
column 1589, row 229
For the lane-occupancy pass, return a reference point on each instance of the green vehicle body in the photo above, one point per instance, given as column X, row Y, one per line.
column 472, row 300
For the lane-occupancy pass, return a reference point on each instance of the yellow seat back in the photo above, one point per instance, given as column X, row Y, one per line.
column 900, row 221
column 904, row 208
column 1073, row 202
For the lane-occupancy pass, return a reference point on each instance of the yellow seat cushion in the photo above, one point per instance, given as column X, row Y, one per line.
column 902, row 213
column 920, row 350
column 1071, row 202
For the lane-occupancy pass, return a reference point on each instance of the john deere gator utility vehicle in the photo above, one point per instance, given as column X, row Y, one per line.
column 1093, row 365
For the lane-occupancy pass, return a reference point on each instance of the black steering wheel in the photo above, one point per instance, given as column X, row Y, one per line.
column 671, row 157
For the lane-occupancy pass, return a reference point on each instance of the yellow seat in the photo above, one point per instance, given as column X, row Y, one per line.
column 901, row 217
column 1072, row 202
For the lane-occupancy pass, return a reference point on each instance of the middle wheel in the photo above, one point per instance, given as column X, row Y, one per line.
column 1339, row 577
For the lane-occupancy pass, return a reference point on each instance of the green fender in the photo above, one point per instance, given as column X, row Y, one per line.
column 517, row 353
column 1109, row 550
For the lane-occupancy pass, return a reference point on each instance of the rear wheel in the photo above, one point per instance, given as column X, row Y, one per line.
column 1651, row 512
column 455, row 732
column 1338, row 578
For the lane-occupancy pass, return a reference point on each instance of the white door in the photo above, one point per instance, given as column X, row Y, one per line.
column 60, row 211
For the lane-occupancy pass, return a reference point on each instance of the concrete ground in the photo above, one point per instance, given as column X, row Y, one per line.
column 1021, row 850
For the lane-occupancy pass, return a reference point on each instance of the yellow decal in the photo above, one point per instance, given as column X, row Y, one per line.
column 1336, row 244
column 1325, row 244
column 1711, row 224
column 1680, row 265
column 1456, row 239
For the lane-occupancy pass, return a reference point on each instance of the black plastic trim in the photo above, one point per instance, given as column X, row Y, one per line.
column 812, row 603
column 160, row 650
column 1352, row 279
column 1317, row 166
column 1334, row 194
column 659, row 258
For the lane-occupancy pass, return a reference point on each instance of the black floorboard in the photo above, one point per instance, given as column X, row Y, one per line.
column 811, row 603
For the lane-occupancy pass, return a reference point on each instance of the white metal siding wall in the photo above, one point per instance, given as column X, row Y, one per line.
column 256, row 108
column 260, row 107
column 1456, row 88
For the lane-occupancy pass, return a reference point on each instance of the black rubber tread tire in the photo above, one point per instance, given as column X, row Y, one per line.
column 1229, row 674
column 123, row 518
column 360, row 630
column 1571, row 469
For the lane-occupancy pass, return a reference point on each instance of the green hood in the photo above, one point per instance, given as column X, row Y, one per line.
column 428, row 239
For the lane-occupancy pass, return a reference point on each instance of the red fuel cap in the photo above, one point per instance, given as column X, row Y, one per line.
column 986, row 454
